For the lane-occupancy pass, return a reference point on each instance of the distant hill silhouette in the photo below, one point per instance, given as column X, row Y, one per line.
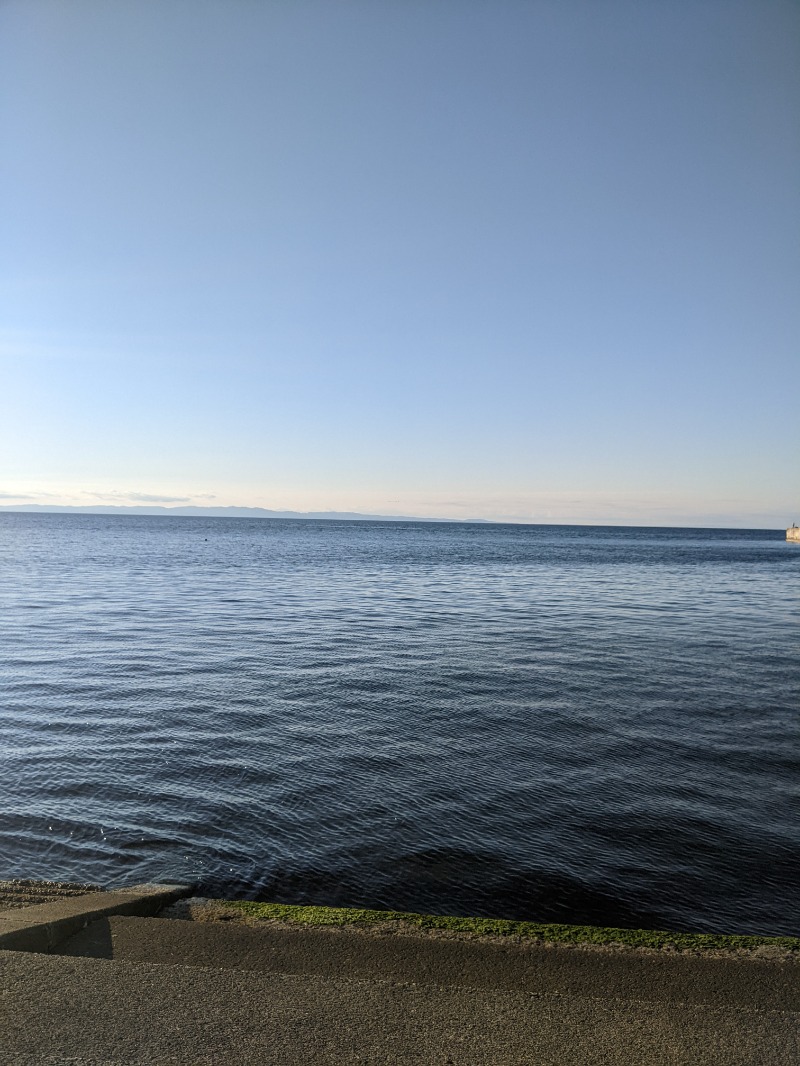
column 219, row 512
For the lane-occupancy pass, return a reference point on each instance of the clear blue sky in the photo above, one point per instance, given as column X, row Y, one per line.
column 517, row 260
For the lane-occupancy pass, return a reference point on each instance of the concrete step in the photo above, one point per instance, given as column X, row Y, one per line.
column 87, row 1011
column 44, row 926
column 23, row 892
column 425, row 960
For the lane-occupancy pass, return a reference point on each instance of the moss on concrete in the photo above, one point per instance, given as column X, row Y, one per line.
column 500, row 927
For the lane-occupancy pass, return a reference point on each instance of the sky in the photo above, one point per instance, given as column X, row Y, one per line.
column 520, row 261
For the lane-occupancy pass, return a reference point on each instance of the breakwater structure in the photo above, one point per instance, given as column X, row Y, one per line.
column 793, row 533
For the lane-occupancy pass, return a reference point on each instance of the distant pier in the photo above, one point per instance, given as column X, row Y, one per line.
column 793, row 533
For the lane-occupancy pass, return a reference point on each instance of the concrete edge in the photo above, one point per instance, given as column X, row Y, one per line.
column 42, row 927
column 500, row 931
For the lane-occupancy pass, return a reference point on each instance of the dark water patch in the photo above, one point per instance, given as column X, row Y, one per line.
column 477, row 885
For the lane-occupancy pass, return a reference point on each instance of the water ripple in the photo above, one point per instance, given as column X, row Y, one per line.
column 538, row 722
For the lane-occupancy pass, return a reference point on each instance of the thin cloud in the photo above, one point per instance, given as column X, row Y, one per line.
column 145, row 497
column 137, row 497
column 28, row 495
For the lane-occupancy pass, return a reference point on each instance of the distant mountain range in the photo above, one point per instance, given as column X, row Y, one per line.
column 220, row 512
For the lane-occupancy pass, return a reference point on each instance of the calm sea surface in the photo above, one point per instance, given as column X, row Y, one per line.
column 545, row 722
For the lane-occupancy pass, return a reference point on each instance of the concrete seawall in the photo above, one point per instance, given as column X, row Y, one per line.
column 92, row 979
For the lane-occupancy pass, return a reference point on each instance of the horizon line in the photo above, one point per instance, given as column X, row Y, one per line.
column 265, row 513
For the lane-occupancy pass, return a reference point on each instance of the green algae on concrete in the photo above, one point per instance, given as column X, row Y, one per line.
column 500, row 927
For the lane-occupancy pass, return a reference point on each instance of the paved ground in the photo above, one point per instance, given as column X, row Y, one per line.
column 187, row 994
column 100, row 1011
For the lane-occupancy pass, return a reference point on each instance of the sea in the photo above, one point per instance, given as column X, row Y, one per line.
column 555, row 723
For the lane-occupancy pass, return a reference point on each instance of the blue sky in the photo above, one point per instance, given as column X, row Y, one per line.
column 523, row 261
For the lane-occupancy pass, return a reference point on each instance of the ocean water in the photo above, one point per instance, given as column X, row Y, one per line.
column 546, row 722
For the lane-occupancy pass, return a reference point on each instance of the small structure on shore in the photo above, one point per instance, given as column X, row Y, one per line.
column 793, row 533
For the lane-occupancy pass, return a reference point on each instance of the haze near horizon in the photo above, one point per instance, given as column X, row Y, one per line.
column 520, row 261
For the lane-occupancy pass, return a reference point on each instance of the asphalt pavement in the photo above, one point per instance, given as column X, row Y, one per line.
column 146, row 991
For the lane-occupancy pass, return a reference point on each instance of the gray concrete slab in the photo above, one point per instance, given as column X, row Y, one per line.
column 56, row 1009
column 44, row 926
column 514, row 967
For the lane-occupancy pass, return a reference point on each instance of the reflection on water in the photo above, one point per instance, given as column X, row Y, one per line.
column 556, row 723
